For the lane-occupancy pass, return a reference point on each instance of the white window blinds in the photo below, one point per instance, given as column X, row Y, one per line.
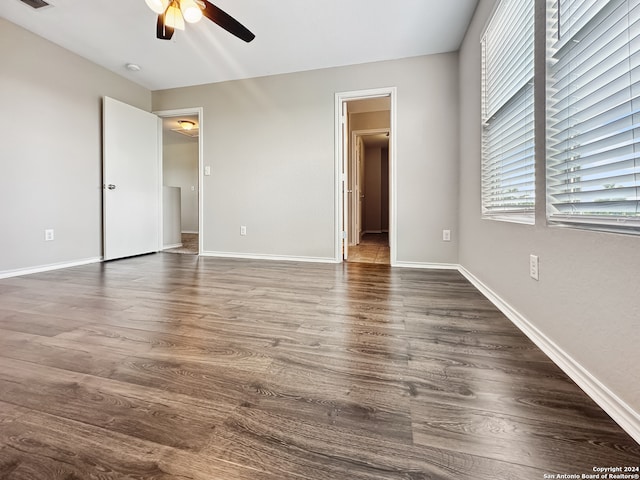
column 508, row 157
column 593, row 116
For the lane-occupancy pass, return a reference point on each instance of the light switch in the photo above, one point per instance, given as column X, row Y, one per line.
column 534, row 267
column 207, row 170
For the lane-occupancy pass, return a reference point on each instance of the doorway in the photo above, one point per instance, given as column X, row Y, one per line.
column 365, row 153
column 181, row 155
column 369, row 179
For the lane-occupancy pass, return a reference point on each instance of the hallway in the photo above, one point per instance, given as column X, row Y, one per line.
column 373, row 248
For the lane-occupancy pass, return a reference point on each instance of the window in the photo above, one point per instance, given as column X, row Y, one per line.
column 508, row 157
column 593, row 113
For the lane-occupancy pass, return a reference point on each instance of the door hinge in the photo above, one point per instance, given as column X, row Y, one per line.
column 344, row 235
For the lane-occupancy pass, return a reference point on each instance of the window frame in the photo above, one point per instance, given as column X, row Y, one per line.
column 617, row 223
column 520, row 101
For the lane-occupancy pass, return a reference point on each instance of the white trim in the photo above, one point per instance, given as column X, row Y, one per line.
column 160, row 140
column 277, row 258
column 176, row 113
column 429, row 266
column 369, row 131
column 191, row 232
column 617, row 409
column 46, row 268
column 175, row 245
column 502, row 217
column 340, row 97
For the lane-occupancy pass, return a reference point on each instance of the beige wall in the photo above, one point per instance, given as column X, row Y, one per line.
column 171, row 217
column 50, row 149
column 270, row 143
column 587, row 299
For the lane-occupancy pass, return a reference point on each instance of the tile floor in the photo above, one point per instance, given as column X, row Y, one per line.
column 189, row 245
column 373, row 248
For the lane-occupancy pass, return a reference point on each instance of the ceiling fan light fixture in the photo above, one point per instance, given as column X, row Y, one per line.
column 158, row 6
column 191, row 12
column 173, row 16
column 186, row 124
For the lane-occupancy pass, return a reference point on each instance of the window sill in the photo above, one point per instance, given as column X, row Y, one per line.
column 519, row 219
column 625, row 226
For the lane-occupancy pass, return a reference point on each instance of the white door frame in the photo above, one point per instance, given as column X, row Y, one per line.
column 177, row 113
column 340, row 162
column 345, row 187
column 354, row 222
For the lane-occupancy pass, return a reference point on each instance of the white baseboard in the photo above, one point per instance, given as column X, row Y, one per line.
column 278, row 258
column 175, row 245
column 189, row 231
column 430, row 266
column 616, row 408
column 46, row 268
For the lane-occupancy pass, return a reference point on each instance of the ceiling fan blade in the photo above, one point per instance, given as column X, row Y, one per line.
column 163, row 32
column 227, row 22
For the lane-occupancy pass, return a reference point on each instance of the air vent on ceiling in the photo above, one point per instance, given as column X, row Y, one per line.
column 36, row 3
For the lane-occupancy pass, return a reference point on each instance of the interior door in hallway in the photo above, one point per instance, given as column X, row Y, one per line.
column 359, row 188
column 131, row 179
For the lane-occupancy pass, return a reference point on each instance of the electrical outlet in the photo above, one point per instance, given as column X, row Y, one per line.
column 534, row 267
column 446, row 235
column 49, row 235
column 243, row 230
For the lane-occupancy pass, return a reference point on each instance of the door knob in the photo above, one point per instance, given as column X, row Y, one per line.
column 111, row 186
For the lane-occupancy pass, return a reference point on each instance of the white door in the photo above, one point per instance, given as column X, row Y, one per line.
column 131, row 178
column 346, row 193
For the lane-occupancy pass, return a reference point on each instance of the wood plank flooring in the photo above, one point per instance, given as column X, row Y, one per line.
column 179, row 367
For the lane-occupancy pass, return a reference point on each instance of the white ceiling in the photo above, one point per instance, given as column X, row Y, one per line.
column 291, row 36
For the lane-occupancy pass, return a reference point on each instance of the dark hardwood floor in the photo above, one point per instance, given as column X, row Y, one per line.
column 178, row 367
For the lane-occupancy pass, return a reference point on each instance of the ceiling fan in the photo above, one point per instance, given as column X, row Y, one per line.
column 173, row 13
